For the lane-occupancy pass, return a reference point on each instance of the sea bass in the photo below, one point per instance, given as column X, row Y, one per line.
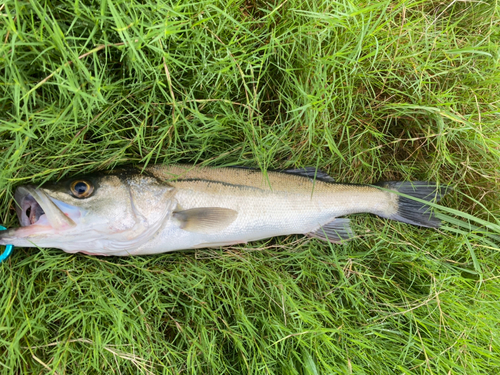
column 166, row 208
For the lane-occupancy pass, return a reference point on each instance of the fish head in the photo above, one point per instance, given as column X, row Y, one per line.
column 95, row 214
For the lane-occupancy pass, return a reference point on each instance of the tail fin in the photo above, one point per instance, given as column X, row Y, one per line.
column 411, row 211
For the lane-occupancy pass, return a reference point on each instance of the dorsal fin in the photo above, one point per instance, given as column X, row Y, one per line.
column 310, row 172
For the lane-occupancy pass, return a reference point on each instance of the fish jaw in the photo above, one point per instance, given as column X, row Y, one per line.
column 41, row 217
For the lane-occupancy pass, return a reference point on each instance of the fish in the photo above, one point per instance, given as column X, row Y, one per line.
column 163, row 208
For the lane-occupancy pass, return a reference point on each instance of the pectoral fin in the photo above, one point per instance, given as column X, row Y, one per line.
column 205, row 220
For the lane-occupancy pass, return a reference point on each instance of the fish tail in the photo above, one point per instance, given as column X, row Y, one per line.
column 409, row 210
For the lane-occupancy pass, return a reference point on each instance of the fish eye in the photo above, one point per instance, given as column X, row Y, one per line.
column 81, row 188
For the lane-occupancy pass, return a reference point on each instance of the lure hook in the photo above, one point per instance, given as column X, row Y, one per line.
column 7, row 251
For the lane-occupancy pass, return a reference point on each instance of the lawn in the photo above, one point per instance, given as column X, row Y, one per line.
column 364, row 90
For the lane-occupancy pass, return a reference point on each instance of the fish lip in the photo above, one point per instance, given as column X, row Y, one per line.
column 24, row 200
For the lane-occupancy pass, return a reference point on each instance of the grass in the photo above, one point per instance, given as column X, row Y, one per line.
column 392, row 90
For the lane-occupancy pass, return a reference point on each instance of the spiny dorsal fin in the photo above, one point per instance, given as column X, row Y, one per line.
column 310, row 172
column 205, row 220
column 336, row 231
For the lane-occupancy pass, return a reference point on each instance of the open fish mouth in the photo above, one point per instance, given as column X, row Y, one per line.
column 34, row 207
column 28, row 209
column 41, row 218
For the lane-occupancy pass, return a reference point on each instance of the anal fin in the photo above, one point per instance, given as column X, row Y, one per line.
column 336, row 231
column 205, row 220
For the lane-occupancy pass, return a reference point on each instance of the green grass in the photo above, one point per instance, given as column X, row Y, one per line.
column 365, row 90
